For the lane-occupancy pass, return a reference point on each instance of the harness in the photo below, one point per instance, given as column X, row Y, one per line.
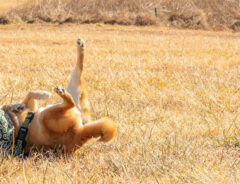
column 7, row 141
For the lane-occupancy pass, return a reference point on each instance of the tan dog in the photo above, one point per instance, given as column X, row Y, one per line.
column 66, row 124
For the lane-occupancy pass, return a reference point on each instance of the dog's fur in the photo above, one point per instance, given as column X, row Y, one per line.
column 66, row 124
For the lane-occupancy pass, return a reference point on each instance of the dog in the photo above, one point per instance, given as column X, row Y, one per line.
column 66, row 124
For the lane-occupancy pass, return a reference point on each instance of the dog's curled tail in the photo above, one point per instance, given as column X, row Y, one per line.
column 105, row 129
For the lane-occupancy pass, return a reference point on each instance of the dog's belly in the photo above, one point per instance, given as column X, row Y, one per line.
column 44, row 130
column 74, row 113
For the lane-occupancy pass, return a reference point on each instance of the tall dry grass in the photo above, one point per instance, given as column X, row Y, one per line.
column 5, row 6
column 174, row 95
column 194, row 14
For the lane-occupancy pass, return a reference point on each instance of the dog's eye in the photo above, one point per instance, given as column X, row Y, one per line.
column 15, row 111
column 20, row 108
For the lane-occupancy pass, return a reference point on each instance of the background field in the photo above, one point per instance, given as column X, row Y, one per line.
column 174, row 94
column 8, row 5
column 192, row 14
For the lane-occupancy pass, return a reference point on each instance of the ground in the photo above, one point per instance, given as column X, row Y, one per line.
column 174, row 95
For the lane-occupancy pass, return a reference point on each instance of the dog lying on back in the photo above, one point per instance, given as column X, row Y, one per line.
column 66, row 124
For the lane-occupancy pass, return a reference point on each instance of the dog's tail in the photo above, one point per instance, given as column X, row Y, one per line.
column 105, row 129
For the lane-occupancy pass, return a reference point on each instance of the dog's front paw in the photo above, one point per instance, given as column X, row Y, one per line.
column 44, row 95
column 39, row 95
column 16, row 108
column 59, row 90
column 81, row 43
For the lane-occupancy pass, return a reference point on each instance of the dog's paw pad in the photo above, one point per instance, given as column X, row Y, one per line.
column 81, row 43
column 16, row 108
column 59, row 90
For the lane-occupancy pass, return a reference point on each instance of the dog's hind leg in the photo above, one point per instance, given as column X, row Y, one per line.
column 76, row 86
column 31, row 99
column 85, row 105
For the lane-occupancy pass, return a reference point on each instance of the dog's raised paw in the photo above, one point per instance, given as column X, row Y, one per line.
column 45, row 95
column 40, row 95
column 81, row 43
column 16, row 108
column 59, row 90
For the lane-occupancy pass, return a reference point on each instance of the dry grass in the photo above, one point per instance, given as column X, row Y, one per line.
column 174, row 95
column 10, row 4
column 193, row 14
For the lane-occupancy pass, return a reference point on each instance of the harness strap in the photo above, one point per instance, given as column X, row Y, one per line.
column 20, row 142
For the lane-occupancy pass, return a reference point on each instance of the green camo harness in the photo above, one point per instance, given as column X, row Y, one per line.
column 7, row 142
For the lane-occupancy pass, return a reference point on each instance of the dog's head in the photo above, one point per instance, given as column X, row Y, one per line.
column 17, row 113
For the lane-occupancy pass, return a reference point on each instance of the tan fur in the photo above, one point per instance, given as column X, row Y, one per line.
column 76, row 86
column 32, row 98
column 61, row 125
column 84, row 103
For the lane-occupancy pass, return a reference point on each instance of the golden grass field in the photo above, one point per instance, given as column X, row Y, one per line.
column 175, row 96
